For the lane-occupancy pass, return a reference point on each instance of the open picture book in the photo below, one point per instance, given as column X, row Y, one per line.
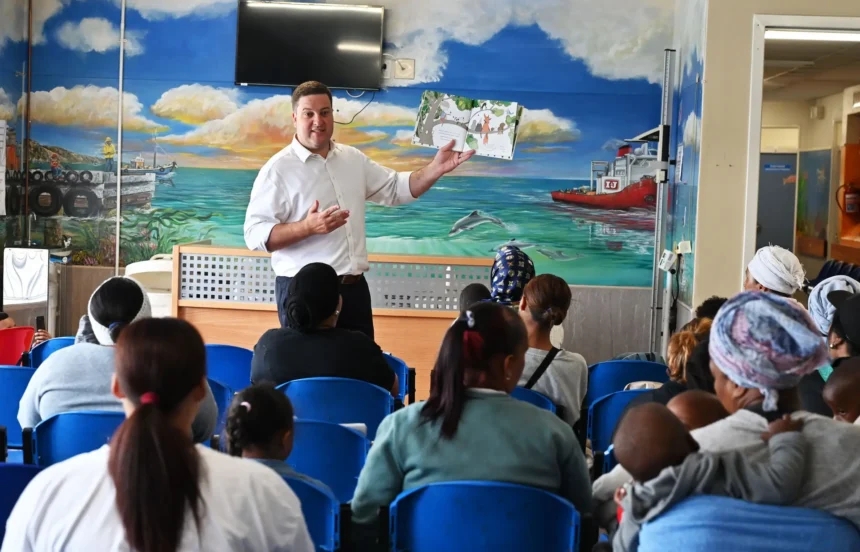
column 487, row 126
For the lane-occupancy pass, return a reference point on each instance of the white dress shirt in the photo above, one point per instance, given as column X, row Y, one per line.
column 290, row 182
column 71, row 506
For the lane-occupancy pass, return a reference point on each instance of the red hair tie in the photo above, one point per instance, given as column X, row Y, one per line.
column 473, row 345
column 149, row 398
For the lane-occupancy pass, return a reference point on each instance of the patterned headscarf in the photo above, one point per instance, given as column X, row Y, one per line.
column 820, row 308
column 765, row 342
column 512, row 270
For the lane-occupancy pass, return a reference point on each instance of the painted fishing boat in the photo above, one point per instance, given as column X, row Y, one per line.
column 628, row 182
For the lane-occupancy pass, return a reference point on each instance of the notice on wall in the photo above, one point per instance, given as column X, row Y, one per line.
column 3, row 165
column 777, row 167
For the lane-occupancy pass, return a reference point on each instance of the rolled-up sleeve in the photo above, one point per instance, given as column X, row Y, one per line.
column 268, row 207
column 386, row 186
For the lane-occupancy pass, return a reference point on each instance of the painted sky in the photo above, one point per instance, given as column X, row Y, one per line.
column 584, row 85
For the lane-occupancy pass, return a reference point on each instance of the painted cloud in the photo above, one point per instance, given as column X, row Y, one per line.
column 89, row 107
column 97, row 34
column 628, row 44
column 692, row 131
column 13, row 19
column 7, row 107
column 195, row 104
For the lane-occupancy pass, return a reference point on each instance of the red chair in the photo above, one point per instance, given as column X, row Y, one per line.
column 13, row 343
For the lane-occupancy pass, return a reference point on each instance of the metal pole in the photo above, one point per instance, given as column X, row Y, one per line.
column 118, row 155
column 658, row 281
column 26, row 139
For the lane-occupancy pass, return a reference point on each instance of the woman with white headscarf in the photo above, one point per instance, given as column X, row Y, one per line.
column 774, row 270
column 79, row 377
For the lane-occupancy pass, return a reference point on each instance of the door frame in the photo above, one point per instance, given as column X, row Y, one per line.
column 761, row 23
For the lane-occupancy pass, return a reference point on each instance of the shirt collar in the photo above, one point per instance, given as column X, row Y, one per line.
column 304, row 153
column 485, row 391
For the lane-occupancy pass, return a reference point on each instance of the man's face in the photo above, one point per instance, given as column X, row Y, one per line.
column 313, row 118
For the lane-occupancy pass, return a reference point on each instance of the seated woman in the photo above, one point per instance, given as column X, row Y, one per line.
column 823, row 312
column 78, row 377
column 761, row 345
column 560, row 375
column 470, row 428
column 152, row 488
column 311, row 346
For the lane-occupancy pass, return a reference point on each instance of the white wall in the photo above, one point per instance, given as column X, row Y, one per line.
column 780, row 139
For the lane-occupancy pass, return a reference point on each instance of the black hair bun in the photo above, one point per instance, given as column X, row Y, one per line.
column 299, row 315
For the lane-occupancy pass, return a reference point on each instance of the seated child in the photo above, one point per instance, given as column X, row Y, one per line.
column 697, row 409
column 663, row 458
column 842, row 391
column 471, row 294
column 260, row 427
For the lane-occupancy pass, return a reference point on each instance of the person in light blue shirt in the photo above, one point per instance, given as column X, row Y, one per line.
column 471, row 428
column 260, row 427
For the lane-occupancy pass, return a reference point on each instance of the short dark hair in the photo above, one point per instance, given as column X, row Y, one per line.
column 698, row 368
column 310, row 88
column 710, row 307
column 471, row 294
column 256, row 416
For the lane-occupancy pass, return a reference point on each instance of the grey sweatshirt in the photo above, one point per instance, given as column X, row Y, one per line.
column 79, row 378
column 830, row 477
column 730, row 474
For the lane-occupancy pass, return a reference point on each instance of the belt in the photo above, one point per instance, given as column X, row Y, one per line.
column 349, row 279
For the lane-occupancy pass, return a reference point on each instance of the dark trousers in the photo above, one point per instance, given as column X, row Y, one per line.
column 356, row 313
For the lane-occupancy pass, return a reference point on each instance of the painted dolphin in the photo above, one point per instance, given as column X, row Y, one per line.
column 515, row 243
column 556, row 255
column 473, row 219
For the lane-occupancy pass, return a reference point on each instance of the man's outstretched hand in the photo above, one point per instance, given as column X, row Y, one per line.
column 447, row 159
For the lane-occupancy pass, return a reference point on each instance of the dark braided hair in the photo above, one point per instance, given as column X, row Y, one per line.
column 257, row 416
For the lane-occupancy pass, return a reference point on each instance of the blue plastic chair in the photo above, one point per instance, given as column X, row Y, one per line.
column 464, row 516
column 608, row 377
column 14, row 478
column 533, row 397
column 603, row 416
column 331, row 453
column 321, row 510
column 339, row 400
column 402, row 370
column 230, row 365
column 699, row 522
column 13, row 383
column 65, row 435
column 223, row 397
column 609, row 461
column 45, row 349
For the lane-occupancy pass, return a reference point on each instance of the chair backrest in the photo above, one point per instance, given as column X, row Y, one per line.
column 482, row 515
column 330, row 453
column 65, row 435
column 339, row 400
column 609, row 460
column 223, row 397
column 608, row 377
column 13, row 383
column 230, row 365
column 402, row 370
column 699, row 522
column 45, row 349
column 603, row 416
column 14, row 478
column 321, row 510
column 533, row 397
column 13, row 343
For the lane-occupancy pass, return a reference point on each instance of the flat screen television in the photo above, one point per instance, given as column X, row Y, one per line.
column 288, row 43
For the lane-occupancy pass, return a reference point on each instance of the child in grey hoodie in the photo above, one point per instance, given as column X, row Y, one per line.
column 667, row 467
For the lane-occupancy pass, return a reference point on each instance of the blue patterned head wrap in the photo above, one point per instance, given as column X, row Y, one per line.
column 512, row 270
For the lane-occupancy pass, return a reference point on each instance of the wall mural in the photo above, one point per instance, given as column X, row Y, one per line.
column 690, row 30
column 192, row 142
column 813, row 193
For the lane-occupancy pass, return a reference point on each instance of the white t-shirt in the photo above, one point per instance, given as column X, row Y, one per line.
column 564, row 382
column 71, row 507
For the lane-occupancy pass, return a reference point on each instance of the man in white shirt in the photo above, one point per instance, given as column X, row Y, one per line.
column 308, row 203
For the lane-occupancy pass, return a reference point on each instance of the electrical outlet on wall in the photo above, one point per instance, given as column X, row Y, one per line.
column 386, row 69
column 685, row 248
column 404, row 68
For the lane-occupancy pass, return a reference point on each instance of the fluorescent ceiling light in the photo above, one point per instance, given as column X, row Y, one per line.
column 821, row 36
column 303, row 6
column 359, row 47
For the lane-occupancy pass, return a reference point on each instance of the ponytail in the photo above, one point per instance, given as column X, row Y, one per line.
column 154, row 465
column 485, row 331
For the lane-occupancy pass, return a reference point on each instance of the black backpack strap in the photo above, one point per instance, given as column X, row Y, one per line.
column 547, row 360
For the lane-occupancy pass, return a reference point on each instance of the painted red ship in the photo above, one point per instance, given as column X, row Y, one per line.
column 626, row 183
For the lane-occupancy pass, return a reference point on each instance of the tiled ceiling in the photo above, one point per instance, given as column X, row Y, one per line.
column 796, row 70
